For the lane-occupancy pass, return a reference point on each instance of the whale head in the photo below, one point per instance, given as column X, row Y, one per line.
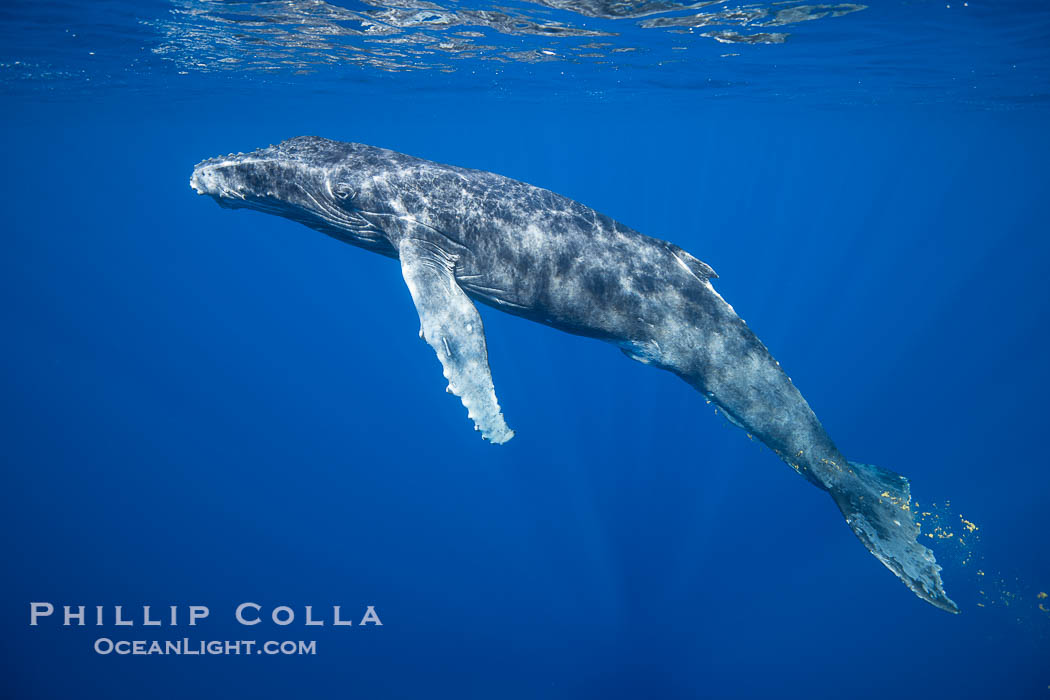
column 321, row 183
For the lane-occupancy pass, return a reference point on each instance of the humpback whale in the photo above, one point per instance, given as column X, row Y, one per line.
column 464, row 236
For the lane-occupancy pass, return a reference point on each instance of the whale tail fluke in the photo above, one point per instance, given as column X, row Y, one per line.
column 877, row 506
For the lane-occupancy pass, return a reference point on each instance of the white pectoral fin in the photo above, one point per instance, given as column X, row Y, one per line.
column 452, row 326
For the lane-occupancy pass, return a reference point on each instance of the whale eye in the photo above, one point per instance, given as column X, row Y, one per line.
column 341, row 190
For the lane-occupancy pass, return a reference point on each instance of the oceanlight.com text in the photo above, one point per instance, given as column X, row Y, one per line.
column 187, row 647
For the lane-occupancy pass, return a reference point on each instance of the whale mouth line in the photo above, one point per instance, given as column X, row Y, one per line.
column 222, row 195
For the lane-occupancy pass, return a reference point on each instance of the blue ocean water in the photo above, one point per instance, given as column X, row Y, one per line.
column 206, row 407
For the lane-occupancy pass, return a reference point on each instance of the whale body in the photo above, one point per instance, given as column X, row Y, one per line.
column 465, row 236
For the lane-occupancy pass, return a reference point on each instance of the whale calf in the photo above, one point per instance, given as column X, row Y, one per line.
column 465, row 236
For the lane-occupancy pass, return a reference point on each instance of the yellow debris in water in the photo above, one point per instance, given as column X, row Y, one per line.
column 967, row 524
column 980, row 605
column 1041, row 595
column 980, row 572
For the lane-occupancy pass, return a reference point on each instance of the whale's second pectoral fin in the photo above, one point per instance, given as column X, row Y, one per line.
column 452, row 326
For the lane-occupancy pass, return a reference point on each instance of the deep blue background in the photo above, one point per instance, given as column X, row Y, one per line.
column 208, row 407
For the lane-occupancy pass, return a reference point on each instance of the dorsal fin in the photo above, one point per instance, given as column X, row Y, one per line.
column 699, row 268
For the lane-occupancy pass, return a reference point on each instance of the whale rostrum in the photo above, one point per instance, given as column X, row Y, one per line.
column 464, row 236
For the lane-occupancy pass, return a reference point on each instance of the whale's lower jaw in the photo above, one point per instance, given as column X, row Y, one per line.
column 203, row 185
